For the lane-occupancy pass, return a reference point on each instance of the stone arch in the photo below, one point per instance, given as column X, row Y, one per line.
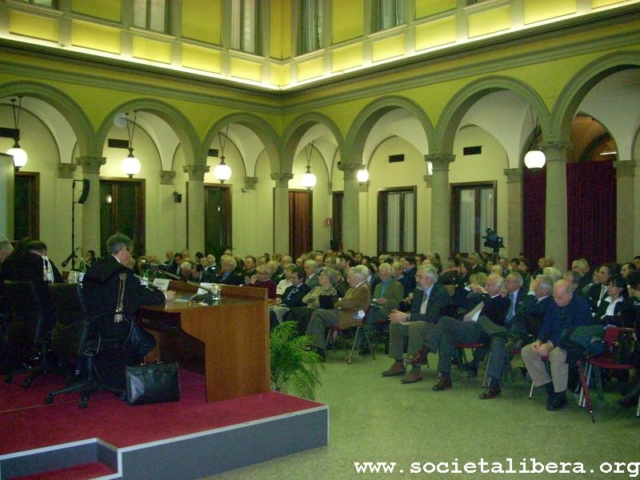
column 579, row 86
column 463, row 100
column 263, row 130
column 174, row 118
column 77, row 118
column 295, row 132
column 369, row 116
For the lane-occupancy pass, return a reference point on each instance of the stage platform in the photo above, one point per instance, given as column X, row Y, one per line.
column 188, row 439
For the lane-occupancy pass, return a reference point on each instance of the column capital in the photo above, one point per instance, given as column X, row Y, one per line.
column 91, row 165
column 196, row 171
column 65, row 170
column 350, row 170
column 250, row 183
column 167, row 176
column 625, row 168
column 556, row 151
column 440, row 161
column 281, row 179
column 514, row 175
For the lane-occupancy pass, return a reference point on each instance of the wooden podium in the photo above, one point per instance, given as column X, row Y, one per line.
column 234, row 333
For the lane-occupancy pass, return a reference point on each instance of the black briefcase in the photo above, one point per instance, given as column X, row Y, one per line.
column 152, row 383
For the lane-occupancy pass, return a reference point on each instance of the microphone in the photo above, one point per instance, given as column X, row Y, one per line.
column 71, row 256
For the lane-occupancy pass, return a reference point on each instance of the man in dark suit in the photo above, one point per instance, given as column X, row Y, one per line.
column 227, row 274
column 418, row 325
column 292, row 297
column 494, row 305
column 111, row 289
column 408, row 279
column 598, row 291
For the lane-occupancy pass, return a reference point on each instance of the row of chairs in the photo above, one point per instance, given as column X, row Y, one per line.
column 65, row 332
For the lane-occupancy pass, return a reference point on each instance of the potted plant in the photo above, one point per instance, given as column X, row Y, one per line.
column 294, row 364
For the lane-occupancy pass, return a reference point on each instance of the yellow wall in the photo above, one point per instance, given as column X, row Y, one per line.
column 539, row 10
column 193, row 12
column 96, row 37
column 346, row 57
column 201, row 59
column 110, row 10
column 280, row 30
column 436, row 33
column 347, row 20
column 388, row 48
column 153, row 50
column 489, row 22
column 33, row 26
column 425, row 8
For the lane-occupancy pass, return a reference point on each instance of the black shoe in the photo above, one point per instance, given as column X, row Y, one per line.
column 490, row 393
column 470, row 369
column 557, row 401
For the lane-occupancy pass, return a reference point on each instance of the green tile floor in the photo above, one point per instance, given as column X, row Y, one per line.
column 376, row 419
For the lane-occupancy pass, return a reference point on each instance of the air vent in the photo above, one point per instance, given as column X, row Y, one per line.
column 213, row 152
column 115, row 143
column 472, row 150
column 396, row 158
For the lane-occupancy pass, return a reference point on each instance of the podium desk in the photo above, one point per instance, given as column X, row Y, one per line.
column 231, row 343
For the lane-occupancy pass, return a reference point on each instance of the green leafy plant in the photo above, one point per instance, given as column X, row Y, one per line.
column 295, row 366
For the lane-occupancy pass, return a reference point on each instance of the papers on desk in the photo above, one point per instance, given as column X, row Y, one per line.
column 202, row 291
column 162, row 284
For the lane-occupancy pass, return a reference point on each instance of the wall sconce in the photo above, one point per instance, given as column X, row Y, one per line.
column 534, row 158
column 130, row 165
column 309, row 179
column 222, row 172
column 363, row 176
column 20, row 157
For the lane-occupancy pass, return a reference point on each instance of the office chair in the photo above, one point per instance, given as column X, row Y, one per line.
column 30, row 328
column 78, row 337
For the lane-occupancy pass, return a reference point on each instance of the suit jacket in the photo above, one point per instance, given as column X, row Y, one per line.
column 354, row 300
column 313, row 281
column 394, row 294
column 623, row 313
column 233, row 278
column 408, row 281
column 557, row 319
column 101, row 286
column 292, row 296
column 438, row 300
column 593, row 295
column 521, row 297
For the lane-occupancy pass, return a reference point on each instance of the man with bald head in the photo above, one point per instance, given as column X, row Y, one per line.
column 566, row 312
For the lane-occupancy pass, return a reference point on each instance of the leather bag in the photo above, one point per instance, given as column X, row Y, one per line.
column 152, row 383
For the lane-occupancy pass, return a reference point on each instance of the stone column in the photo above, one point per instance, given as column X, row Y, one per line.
column 514, row 211
column 281, row 212
column 195, row 211
column 351, row 207
column 625, row 212
column 440, row 203
column 91, row 208
column 556, row 236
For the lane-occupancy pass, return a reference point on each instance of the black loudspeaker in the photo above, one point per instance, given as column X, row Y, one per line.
column 85, row 191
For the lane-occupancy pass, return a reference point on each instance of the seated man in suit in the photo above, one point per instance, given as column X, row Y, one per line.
column 112, row 290
column 349, row 310
column 262, row 279
column 292, row 296
column 494, row 306
column 418, row 325
column 567, row 311
column 598, row 291
column 227, row 274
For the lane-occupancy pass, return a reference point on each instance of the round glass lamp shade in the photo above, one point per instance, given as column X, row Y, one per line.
column 363, row 175
column 535, row 159
column 20, row 157
column 130, row 165
column 309, row 180
column 222, row 172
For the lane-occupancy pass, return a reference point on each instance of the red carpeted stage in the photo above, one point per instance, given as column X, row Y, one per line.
column 180, row 440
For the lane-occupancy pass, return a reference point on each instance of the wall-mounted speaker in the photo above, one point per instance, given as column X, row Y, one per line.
column 86, row 184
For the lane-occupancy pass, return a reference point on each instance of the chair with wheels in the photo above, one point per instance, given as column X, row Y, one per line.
column 78, row 338
column 28, row 333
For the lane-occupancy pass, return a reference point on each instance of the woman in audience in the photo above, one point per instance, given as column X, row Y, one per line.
column 616, row 308
column 328, row 279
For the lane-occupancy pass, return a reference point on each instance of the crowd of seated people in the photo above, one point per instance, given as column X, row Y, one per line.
column 504, row 303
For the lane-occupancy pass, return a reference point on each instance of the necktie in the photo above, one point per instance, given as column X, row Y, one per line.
column 512, row 306
column 423, row 306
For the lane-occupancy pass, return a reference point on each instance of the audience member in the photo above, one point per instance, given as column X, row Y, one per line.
column 417, row 326
column 227, row 274
column 349, row 310
column 111, row 289
column 567, row 311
